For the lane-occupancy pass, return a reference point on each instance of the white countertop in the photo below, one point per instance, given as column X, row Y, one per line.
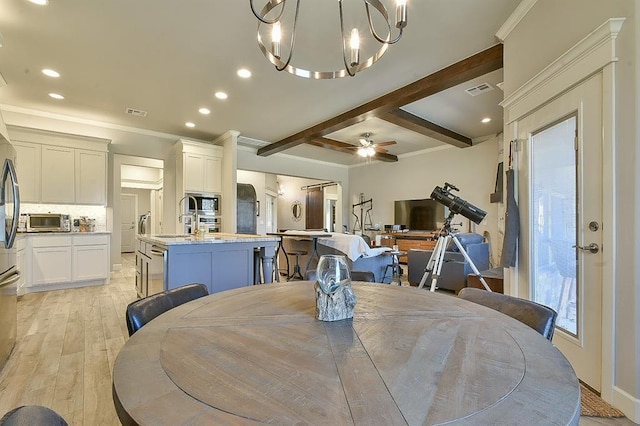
column 217, row 238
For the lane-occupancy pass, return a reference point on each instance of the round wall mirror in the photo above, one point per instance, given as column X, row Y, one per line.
column 296, row 210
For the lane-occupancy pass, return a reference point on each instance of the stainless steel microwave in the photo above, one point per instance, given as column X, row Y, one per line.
column 207, row 204
column 48, row 222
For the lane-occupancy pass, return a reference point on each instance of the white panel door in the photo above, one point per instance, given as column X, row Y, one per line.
column 128, row 222
column 560, row 188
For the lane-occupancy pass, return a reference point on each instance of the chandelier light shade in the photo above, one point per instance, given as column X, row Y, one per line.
column 279, row 51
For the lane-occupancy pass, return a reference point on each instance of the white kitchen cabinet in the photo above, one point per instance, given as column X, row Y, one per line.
column 90, row 177
column 28, row 167
column 212, row 174
column 90, row 257
column 58, row 175
column 199, row 167
column 51, row 260
column 58, row 261
column 60, row 168
column 193, row 172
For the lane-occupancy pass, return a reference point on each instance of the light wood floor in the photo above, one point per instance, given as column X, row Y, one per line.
column 67, row 344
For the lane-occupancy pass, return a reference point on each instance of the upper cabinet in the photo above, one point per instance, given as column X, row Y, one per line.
column 91, row 177
column 60, row 168
column 199, row 167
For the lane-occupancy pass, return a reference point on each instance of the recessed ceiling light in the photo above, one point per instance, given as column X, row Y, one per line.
column 56, row 96
column 244, row 73
column 221, row 95
column 50, row 73
column 204, row 111
column 189, row 124
column 486, row 120
column 40, row 2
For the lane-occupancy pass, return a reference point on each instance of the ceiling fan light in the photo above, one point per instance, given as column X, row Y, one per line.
column 370, row 151
column 362, row 152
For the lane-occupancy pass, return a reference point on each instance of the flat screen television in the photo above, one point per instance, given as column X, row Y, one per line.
column 420, row 215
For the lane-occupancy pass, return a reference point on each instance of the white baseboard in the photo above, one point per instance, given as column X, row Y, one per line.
column 627, row 403
column 117, row 267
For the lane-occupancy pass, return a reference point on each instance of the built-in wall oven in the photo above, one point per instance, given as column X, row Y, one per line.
column 204, row 204
column 207, row 209
column 210, row 224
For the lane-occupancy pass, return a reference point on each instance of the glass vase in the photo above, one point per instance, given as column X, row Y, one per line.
column 332, row 273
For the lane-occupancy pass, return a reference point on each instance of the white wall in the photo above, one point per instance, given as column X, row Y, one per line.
column 472, row 170
column 565, row 23
column 144, row 198
column 283, row 164
column 292, row 192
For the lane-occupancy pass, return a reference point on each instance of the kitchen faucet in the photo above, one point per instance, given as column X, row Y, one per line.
column 194, row 216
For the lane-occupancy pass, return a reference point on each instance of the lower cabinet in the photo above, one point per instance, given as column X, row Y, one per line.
column 51, row 260
column 63, row 261
column 90, row 257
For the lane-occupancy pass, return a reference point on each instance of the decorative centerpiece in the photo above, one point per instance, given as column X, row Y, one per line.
column 335, row 299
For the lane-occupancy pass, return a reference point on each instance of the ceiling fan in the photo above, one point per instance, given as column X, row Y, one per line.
column 368, row 148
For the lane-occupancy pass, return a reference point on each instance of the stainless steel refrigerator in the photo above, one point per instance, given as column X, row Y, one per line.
column 9, row 274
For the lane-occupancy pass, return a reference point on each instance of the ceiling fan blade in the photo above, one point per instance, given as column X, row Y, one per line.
column 381, row 150
column 386, row 143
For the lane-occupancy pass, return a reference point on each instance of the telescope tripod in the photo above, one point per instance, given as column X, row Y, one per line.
column 434, row 265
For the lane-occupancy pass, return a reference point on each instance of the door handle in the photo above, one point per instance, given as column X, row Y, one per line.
column 593, row 248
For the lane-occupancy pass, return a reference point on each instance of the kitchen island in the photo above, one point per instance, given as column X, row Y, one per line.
column 220, row 261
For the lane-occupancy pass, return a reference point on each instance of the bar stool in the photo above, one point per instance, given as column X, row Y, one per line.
column 396, row 269
column 297, row 272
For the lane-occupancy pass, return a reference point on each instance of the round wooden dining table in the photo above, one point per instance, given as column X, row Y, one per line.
column 408, row 357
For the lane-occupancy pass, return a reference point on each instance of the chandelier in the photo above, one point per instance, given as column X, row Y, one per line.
column 273, row 12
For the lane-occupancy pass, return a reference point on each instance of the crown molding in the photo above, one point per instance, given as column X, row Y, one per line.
column 512, row 21
column 586, row 57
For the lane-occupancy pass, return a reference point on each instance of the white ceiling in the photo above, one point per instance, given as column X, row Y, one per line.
column 168, row 58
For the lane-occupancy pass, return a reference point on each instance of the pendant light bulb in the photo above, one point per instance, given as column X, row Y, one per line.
column 401, row 13
column 276, row 36
column 354, row 43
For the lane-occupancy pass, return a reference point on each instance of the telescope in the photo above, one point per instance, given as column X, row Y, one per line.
column 456, row 204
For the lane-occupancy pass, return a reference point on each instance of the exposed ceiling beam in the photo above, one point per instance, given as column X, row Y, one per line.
column 348, row 148
column 474, row 66
column 405, row 119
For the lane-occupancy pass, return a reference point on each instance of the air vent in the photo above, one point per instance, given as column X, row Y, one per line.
column 479, row 89
column 136, row 112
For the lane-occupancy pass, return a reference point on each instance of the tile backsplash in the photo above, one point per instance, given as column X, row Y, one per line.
column 99, row 213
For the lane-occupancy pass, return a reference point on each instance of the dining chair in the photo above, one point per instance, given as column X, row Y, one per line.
column 144, row 310
column 539, row 317
column 366, row 276
column 32, row 415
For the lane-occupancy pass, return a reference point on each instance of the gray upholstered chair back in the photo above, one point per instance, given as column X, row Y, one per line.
column 539, row 317
column 366, row 276
column 144, row 310
column 32, row 415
